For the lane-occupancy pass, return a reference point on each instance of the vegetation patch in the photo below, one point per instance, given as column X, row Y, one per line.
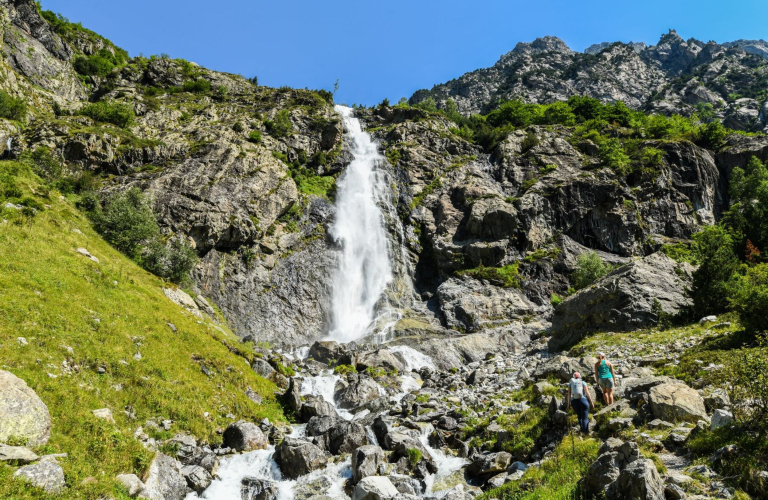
column 506, row 276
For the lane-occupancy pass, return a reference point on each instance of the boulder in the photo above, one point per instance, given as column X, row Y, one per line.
column 720, row 418
column 639, row 480
column 244, row 436
column 292, row 397
column 47, row 475
column 319, row 428
column 490, row 464
column 622, row 300
column 602, row 473
column 315, row 406
column 326, row 351
column 380, row 358
column 374, row 488
column 198, row 478
column 263, row 368
column 23, row 415
column 164, row 480
column 16, row 454
column 297, row 457
column 357, row 393
column 258, row 489
column 366, row 461
column 132, row 483
column 104, row 414
column 675, row 402
column 345, row 437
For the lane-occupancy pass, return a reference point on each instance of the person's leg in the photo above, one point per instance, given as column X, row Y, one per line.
column 609, row 391
column 605, row 391
column 585, row 418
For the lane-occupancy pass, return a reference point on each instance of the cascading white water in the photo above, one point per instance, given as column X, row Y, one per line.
column 365, row 268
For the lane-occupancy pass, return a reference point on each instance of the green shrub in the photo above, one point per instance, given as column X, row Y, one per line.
column 115, row 113
column 44, row 164
column 126, row 221
column 198, row 86
column 713, row 279
column 589, row 268
column 750, row 299
column 95, row 65
column 12, row 108
column 374, row 372
column 255, row 137
column 679, row 252
column 556, row 300
column 238, row 127
column 506, row 276
column 344, row 369
column 548, row 169
column 713, row 135
column 427, row 104
column 174, row 262
column 748, row 215
column 414, row 456
column 613, row 156
column 281, row 126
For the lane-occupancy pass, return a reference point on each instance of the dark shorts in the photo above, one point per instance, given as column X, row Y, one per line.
column 606, row 383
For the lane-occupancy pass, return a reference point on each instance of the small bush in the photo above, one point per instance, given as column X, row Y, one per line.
column 198, row 86
column 556, row 300
column 414, row 456
column 44, row 163
column 750, row 299
column 109, row 112
column 126, row 221
column 344, row 369
column 174, row 262
column 589, row 268
column 255, row 137
column 238, row 127
column 613, row 156
column 12, row 108
column 281, row 126
column 95, row 65
column 713, row 280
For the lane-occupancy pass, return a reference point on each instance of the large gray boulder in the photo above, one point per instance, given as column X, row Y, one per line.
column 316, row 406
column 346, row 437
column 639, row 480
column 23, row 415
column 198, row 479
column 164, row 480
column 244, row 436
column 131, row 483
column 297, row 458
column 365, row 461
column 357, row 393
column 380, row 358
column 622, row 300
column 47, row 475
column 675, row 402
column 325, row 351
column 374, row 488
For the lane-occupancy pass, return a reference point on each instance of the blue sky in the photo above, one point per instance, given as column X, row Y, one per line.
column 390, row 48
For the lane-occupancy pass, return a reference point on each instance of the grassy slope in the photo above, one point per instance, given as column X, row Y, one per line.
column 106, row 313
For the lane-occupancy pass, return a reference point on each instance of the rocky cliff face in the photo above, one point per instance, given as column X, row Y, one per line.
column 246, row 174
column 673, row 76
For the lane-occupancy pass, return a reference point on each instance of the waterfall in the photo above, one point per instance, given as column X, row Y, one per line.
column 364, row 269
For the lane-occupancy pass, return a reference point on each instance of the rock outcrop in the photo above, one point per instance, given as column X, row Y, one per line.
column 23, row 415
column 629, row 297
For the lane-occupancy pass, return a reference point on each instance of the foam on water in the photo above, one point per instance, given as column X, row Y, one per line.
column 414, row 360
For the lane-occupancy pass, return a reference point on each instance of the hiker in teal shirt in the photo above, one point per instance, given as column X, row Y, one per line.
column 605, row 377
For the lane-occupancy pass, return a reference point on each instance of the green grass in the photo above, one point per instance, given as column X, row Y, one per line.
column 556, row 478
column 106, row 313
column 506, row 276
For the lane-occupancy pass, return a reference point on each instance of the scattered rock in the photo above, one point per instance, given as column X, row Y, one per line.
column 104, row 414
column 721, row 418
column 164, row 480
column 374, row 488
column 16, row 454
column 366, row 461
column 297, row 457
column 132, row 483
column 244, row 436
column 677, row 402
column 258, row 489
column 47, row 475
column 198, row 478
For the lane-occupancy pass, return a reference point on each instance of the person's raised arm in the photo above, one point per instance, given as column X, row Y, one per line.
column 597, row 377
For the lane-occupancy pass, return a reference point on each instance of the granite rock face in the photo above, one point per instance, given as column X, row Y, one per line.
column 23, row 415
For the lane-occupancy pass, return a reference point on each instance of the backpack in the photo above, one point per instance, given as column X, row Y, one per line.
column 577, row 388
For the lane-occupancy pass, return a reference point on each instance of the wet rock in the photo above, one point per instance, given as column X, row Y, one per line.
column 326, row 351
column 315, row 406
column 23, row 415
column 164, row 480
column 319, row 429
column 380, row 358
column 676, row 402
column 297, row 457
column 292, row 397
column 198, row 478
column 258, row 489
column 346, row 437
column 244, row 436
column 366, row 461
column 357, row 393
column 374, row 488
column 47, row 475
